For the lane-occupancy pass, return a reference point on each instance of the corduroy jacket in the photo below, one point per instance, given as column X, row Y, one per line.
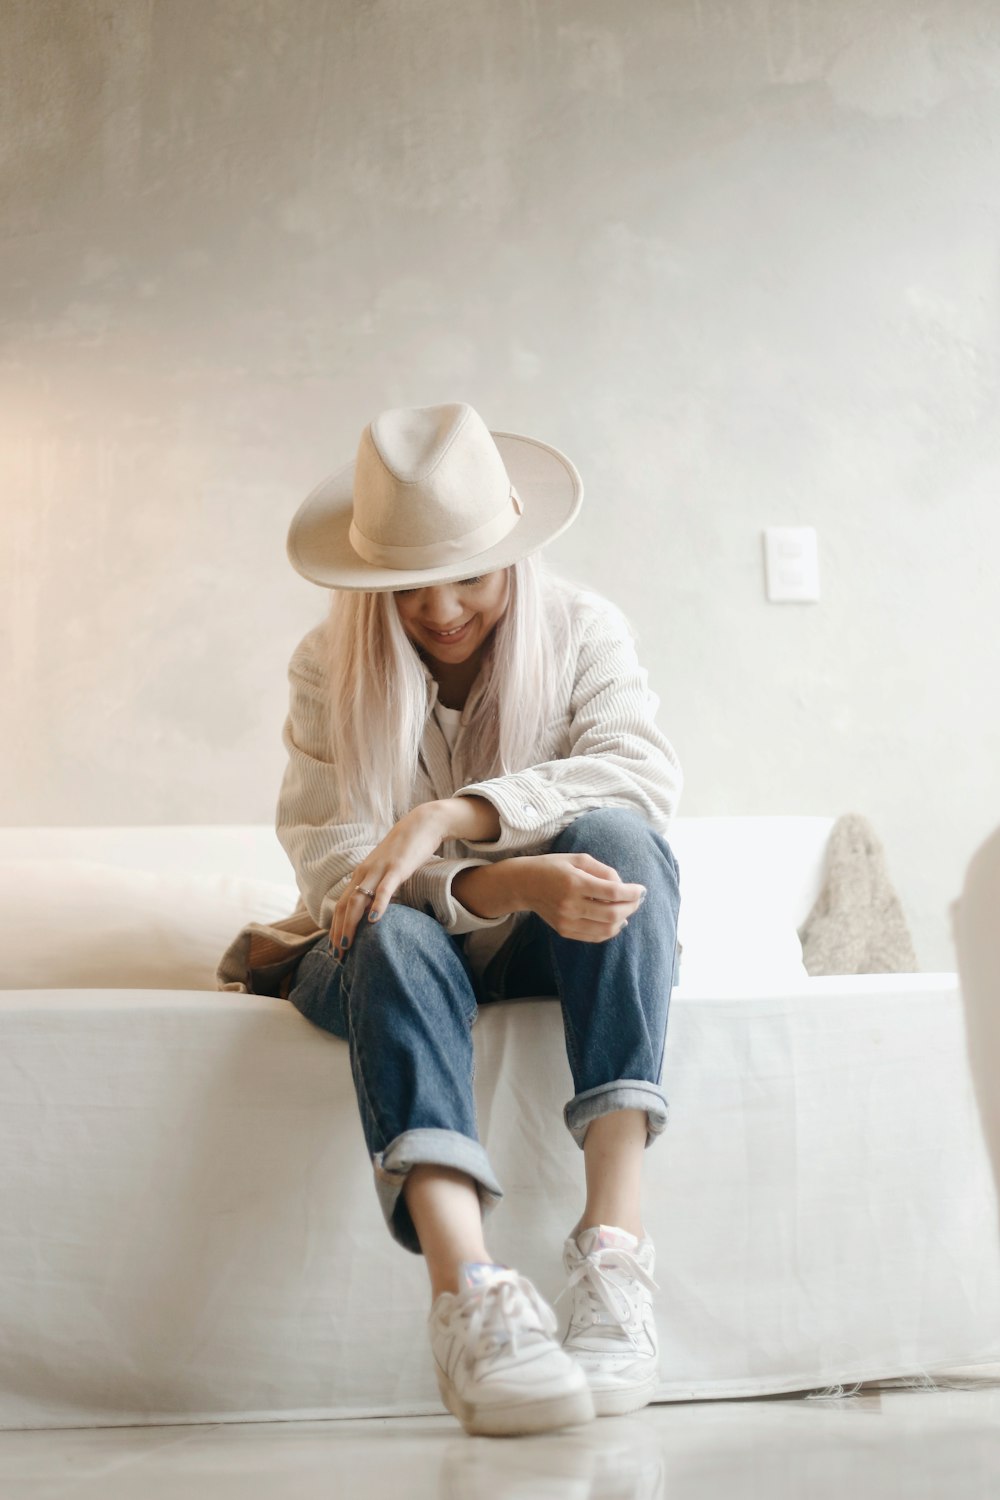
column 600, row 747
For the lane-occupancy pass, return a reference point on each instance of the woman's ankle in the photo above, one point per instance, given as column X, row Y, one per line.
column 446, row 1278
column 631, row 1224
column 447, row 1215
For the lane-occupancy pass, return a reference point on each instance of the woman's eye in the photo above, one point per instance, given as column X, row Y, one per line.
column 465, row 583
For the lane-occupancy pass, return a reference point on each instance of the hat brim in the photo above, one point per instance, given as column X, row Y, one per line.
column 548, row 484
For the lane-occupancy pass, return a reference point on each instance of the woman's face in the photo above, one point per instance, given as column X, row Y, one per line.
column 452, row 621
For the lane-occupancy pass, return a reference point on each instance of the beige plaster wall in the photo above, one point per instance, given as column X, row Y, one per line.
column 737, row 257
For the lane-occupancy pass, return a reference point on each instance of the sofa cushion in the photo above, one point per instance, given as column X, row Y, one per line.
column 739, row 946
column 746, row 883
column 73, row 923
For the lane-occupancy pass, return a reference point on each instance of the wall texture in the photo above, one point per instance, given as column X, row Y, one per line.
column 737, row 257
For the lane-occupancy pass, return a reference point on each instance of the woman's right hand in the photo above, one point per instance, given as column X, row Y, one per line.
column 576, row 895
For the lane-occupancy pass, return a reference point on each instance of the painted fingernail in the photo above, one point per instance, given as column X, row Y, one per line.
column 373, row 916
column 345, row 942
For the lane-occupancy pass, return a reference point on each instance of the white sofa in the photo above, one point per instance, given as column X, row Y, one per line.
column 190, row 1231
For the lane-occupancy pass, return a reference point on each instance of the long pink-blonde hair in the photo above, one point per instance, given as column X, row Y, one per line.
column 378, row 700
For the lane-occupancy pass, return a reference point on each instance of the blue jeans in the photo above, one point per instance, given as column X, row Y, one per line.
column 405, row 997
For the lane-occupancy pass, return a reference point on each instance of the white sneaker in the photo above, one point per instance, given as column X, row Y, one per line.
column 612, row 1329
column 499, row 1370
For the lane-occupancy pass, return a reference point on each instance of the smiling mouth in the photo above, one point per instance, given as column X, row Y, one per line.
column 448, row 635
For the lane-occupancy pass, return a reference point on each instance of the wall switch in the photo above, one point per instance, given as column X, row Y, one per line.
column 792, row 557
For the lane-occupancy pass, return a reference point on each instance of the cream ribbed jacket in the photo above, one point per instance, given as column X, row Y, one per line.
column 601, row 748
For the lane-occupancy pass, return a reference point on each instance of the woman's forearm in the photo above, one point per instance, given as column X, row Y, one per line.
column 485, row 890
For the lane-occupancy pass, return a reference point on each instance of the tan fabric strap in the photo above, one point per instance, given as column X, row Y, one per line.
column 436, row 554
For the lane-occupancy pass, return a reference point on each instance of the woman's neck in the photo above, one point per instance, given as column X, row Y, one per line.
column 454, row 683
column 454, row 687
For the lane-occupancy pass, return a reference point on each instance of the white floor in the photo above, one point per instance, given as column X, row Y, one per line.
column 875, row 1445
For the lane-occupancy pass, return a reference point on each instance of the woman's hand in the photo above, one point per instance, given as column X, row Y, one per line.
column 574, row 893
column 409, row 844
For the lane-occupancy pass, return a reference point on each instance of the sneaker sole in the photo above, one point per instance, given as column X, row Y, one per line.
column 615, row 1401
column 568, row 1410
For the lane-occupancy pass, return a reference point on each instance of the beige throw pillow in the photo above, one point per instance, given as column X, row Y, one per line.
column 72, row 924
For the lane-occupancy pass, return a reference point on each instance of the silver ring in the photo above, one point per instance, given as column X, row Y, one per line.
column 363, row 890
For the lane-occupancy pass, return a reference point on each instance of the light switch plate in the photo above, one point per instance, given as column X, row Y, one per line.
column 792, row 557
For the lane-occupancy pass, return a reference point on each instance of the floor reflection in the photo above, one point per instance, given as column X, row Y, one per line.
column 613, row 1459
column 861, row 1448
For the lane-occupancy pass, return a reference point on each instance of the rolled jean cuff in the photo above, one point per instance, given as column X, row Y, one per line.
column 624, row 1093
column 441, row 1148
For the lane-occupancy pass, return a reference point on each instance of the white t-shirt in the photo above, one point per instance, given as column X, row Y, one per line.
column 449, row 719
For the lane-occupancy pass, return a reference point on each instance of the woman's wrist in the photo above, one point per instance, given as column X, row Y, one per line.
column 489, row 890
column 472, row 819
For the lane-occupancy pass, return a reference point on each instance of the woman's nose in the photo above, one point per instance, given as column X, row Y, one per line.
column 441, row 603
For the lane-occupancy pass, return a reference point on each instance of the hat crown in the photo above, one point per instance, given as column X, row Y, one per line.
column 426, row 476
column 432, row 495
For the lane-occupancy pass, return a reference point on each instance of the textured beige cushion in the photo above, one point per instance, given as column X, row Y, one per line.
column 857, row 924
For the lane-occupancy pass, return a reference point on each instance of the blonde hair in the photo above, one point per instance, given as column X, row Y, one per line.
column 378, row 703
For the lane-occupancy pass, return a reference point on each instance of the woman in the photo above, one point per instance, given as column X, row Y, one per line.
column 474, row 805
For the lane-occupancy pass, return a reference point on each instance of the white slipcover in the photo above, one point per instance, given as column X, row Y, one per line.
column 190, row 1231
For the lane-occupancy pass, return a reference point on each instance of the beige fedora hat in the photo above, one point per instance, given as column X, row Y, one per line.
column 432, row 497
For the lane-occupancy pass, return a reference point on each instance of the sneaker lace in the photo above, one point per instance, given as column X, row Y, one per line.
column 600, row 1297
column 506, row 1311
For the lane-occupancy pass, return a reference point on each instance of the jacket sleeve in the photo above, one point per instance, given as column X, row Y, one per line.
column 617, row 756
column 325, row 852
